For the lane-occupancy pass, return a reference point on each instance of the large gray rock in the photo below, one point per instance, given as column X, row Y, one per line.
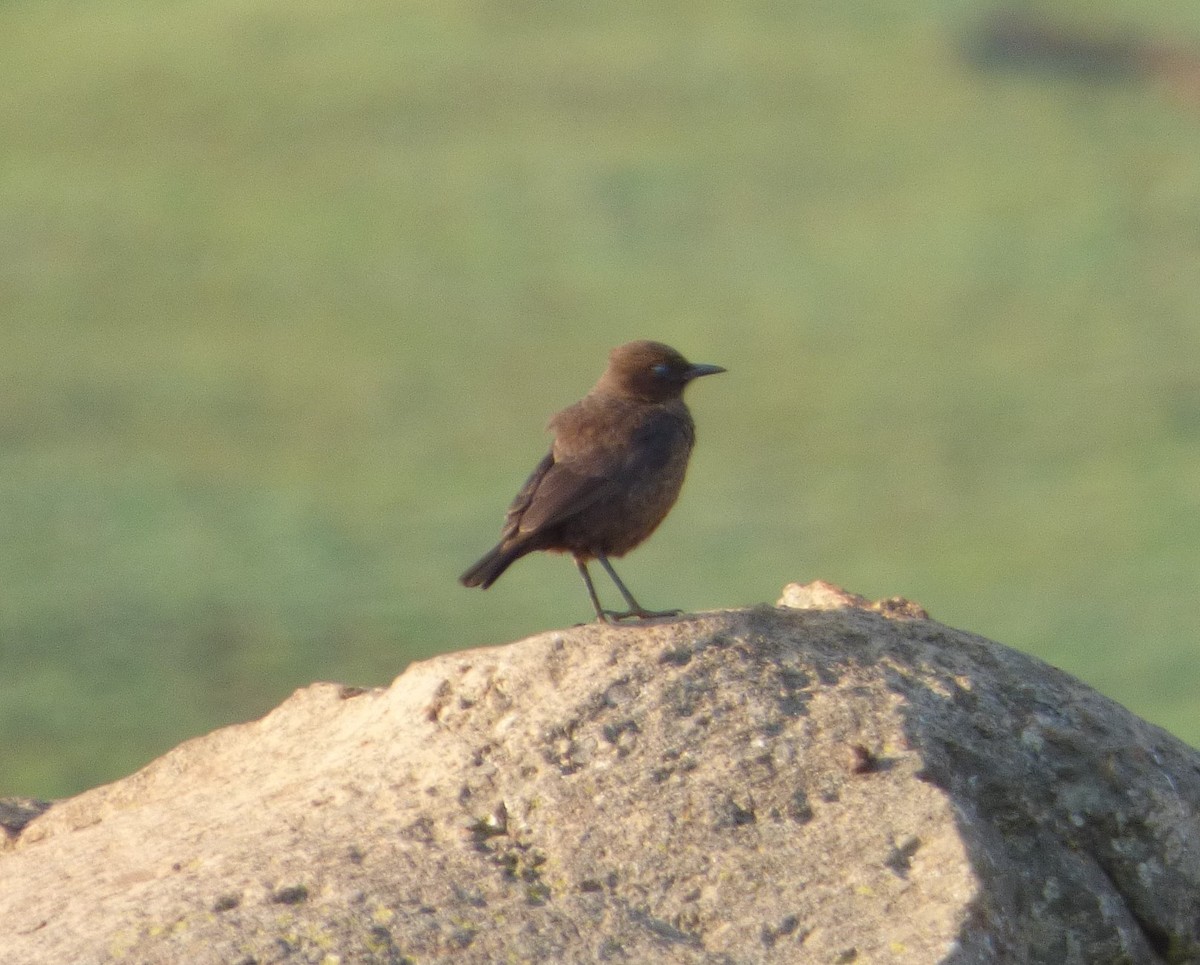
column 842, row 783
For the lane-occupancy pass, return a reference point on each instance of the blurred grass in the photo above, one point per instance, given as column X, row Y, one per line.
column 291, row 290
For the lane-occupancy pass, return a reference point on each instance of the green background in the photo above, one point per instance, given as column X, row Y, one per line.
column 290, row 289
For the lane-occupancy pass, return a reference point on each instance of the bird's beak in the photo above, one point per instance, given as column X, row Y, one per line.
column 695, row 371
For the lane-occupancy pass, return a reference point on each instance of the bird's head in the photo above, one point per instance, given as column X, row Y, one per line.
column 649, row 372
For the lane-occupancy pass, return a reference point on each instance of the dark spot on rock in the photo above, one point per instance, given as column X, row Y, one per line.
column 493, row 825
column 618, row 693
column 766, row 762
column 623, row 735
column 383, row 939
column 678, row 657
column 734, row 814
column 440, row 698
column 827, row 675
column 562, row 750
column 421, row 830
column 685, row 695
column 354, row 855
column 862, row 761
column 226, row 903
column 16, row 812
column 794, row 697
column 470, row 896
column 462, row 937
column 663, row 929
column 900, row 857
column 590, row 885
column 793, row 680
column 1159, row 938
column 799, row 810
column 292, row 895
column 350, row 692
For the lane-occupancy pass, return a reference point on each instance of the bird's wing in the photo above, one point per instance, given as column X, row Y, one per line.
column 589, row 462
column 520, row 503
column 553, row 493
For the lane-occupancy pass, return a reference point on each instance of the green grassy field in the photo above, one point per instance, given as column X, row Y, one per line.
column 291, row 289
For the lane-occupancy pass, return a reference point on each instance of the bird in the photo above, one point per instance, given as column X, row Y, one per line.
column 613, row 472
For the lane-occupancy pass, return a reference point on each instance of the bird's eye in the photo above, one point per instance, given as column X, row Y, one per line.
column 662, row 370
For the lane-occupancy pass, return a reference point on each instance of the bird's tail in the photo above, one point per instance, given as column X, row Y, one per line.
column 487, row 571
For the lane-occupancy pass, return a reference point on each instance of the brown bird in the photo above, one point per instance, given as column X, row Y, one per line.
column 612, row 475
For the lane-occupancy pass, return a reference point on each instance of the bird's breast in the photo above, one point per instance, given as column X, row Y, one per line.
column 642, row 453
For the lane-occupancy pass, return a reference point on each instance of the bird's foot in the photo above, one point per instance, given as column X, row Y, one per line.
column 612, row 616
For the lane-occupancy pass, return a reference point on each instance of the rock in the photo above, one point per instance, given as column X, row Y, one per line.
column 819, row 595
column 16, row 812
column 840, row 784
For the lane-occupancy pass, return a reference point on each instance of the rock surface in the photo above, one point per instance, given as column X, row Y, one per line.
column 848, row 782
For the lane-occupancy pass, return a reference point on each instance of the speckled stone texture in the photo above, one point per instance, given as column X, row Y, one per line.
column 828, row 780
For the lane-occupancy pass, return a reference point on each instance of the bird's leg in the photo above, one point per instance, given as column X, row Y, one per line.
column 635, row 608
column 601, row 615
